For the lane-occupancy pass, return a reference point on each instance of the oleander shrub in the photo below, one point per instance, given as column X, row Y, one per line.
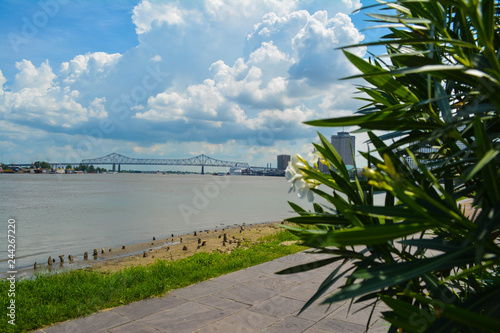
column 436, row 97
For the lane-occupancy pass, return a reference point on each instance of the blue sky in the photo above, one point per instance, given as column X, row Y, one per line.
column 173, row 79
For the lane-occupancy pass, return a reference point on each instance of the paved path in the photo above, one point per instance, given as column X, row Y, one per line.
column 250, row 300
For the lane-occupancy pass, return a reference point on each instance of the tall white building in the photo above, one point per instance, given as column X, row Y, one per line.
column 345, row 144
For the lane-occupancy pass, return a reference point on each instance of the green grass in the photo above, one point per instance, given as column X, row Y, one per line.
column 58, row 297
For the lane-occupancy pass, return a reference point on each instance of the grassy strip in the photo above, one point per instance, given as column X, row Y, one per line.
column 58, row 297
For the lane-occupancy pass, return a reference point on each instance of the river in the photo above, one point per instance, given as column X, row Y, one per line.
column 73, row 213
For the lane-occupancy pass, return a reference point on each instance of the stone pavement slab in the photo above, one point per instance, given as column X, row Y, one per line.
column 247, row 294
column 146, row 307
column 290, row 325
column 199, row 290
column 133, row 327
column 250, row 300
column 278, row 306
column 222, row 303
column 98, row 322
column 243, row 321
column 187, row 317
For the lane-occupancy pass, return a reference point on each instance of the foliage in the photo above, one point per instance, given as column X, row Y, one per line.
column 42, row 165
column 437, row 94
column 90, row 168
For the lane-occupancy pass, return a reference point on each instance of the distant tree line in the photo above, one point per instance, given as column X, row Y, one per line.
column 41, row 165
column 46, row 165
column 88, row 168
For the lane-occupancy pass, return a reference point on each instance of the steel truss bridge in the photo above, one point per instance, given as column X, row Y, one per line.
column 200, row 160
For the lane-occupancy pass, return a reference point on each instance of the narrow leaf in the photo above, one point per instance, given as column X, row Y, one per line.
column 385, row 82
column 369, row 235
column 309, row 266
column 390, row 275
column 487, row 158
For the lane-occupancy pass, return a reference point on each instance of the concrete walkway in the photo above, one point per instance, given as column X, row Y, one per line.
column 250, row 300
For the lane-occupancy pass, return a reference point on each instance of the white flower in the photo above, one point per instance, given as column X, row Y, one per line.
column 292, row 172
column 315, row 157
column 297, row 178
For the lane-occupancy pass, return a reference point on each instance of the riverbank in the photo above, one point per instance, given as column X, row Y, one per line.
column 111, row 259
column 174, row 248
column 52, row 298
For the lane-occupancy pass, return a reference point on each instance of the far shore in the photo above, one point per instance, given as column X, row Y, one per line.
column 172, row 248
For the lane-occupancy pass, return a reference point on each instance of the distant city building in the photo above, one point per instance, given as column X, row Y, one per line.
column 422, row 156
column 283, row 161
column 345, row 145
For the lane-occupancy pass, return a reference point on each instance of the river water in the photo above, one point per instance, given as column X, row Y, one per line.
column 71, row 214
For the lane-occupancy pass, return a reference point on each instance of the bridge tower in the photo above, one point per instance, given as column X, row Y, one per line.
column 202, row 170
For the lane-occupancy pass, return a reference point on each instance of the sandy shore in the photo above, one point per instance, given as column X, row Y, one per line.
column 172, row 248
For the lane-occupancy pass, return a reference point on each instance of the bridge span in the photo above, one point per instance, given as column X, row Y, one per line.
column 200, row 160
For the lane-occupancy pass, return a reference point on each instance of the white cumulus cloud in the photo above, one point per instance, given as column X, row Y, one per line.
column 36, row 97
column 91, row 66
column 148, row 14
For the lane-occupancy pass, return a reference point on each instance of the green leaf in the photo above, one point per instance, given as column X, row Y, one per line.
column 379, row 97
column 398, row 323
column 485, row 160
column 377, row 121
column 326, row 284
column 389, row 275
column 487, row 22
column 342, row 207
column 297, row 208
column 438, row 244
column 327, row 219
column 324, row 179
column 367, row 118
column 383, row 149
column 385, row 82
column 369, row 235
column 397, row 19
column 459, row 314
column 490, row 169
column 412, row 41
column 399, row 125
column 348, row 188
column 309, row 266
column 438, row 289
column 406, row 311
column 388, row 212
column 331, row 154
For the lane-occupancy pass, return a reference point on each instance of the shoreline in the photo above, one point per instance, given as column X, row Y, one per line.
column 110, row 259
column 169, row 248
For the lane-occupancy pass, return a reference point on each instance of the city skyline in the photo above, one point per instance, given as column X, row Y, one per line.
column 168, row 79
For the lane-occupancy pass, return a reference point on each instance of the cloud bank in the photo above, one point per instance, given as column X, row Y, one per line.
column 230, row 78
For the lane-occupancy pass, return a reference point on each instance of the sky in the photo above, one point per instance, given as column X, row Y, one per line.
column 234, row 80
